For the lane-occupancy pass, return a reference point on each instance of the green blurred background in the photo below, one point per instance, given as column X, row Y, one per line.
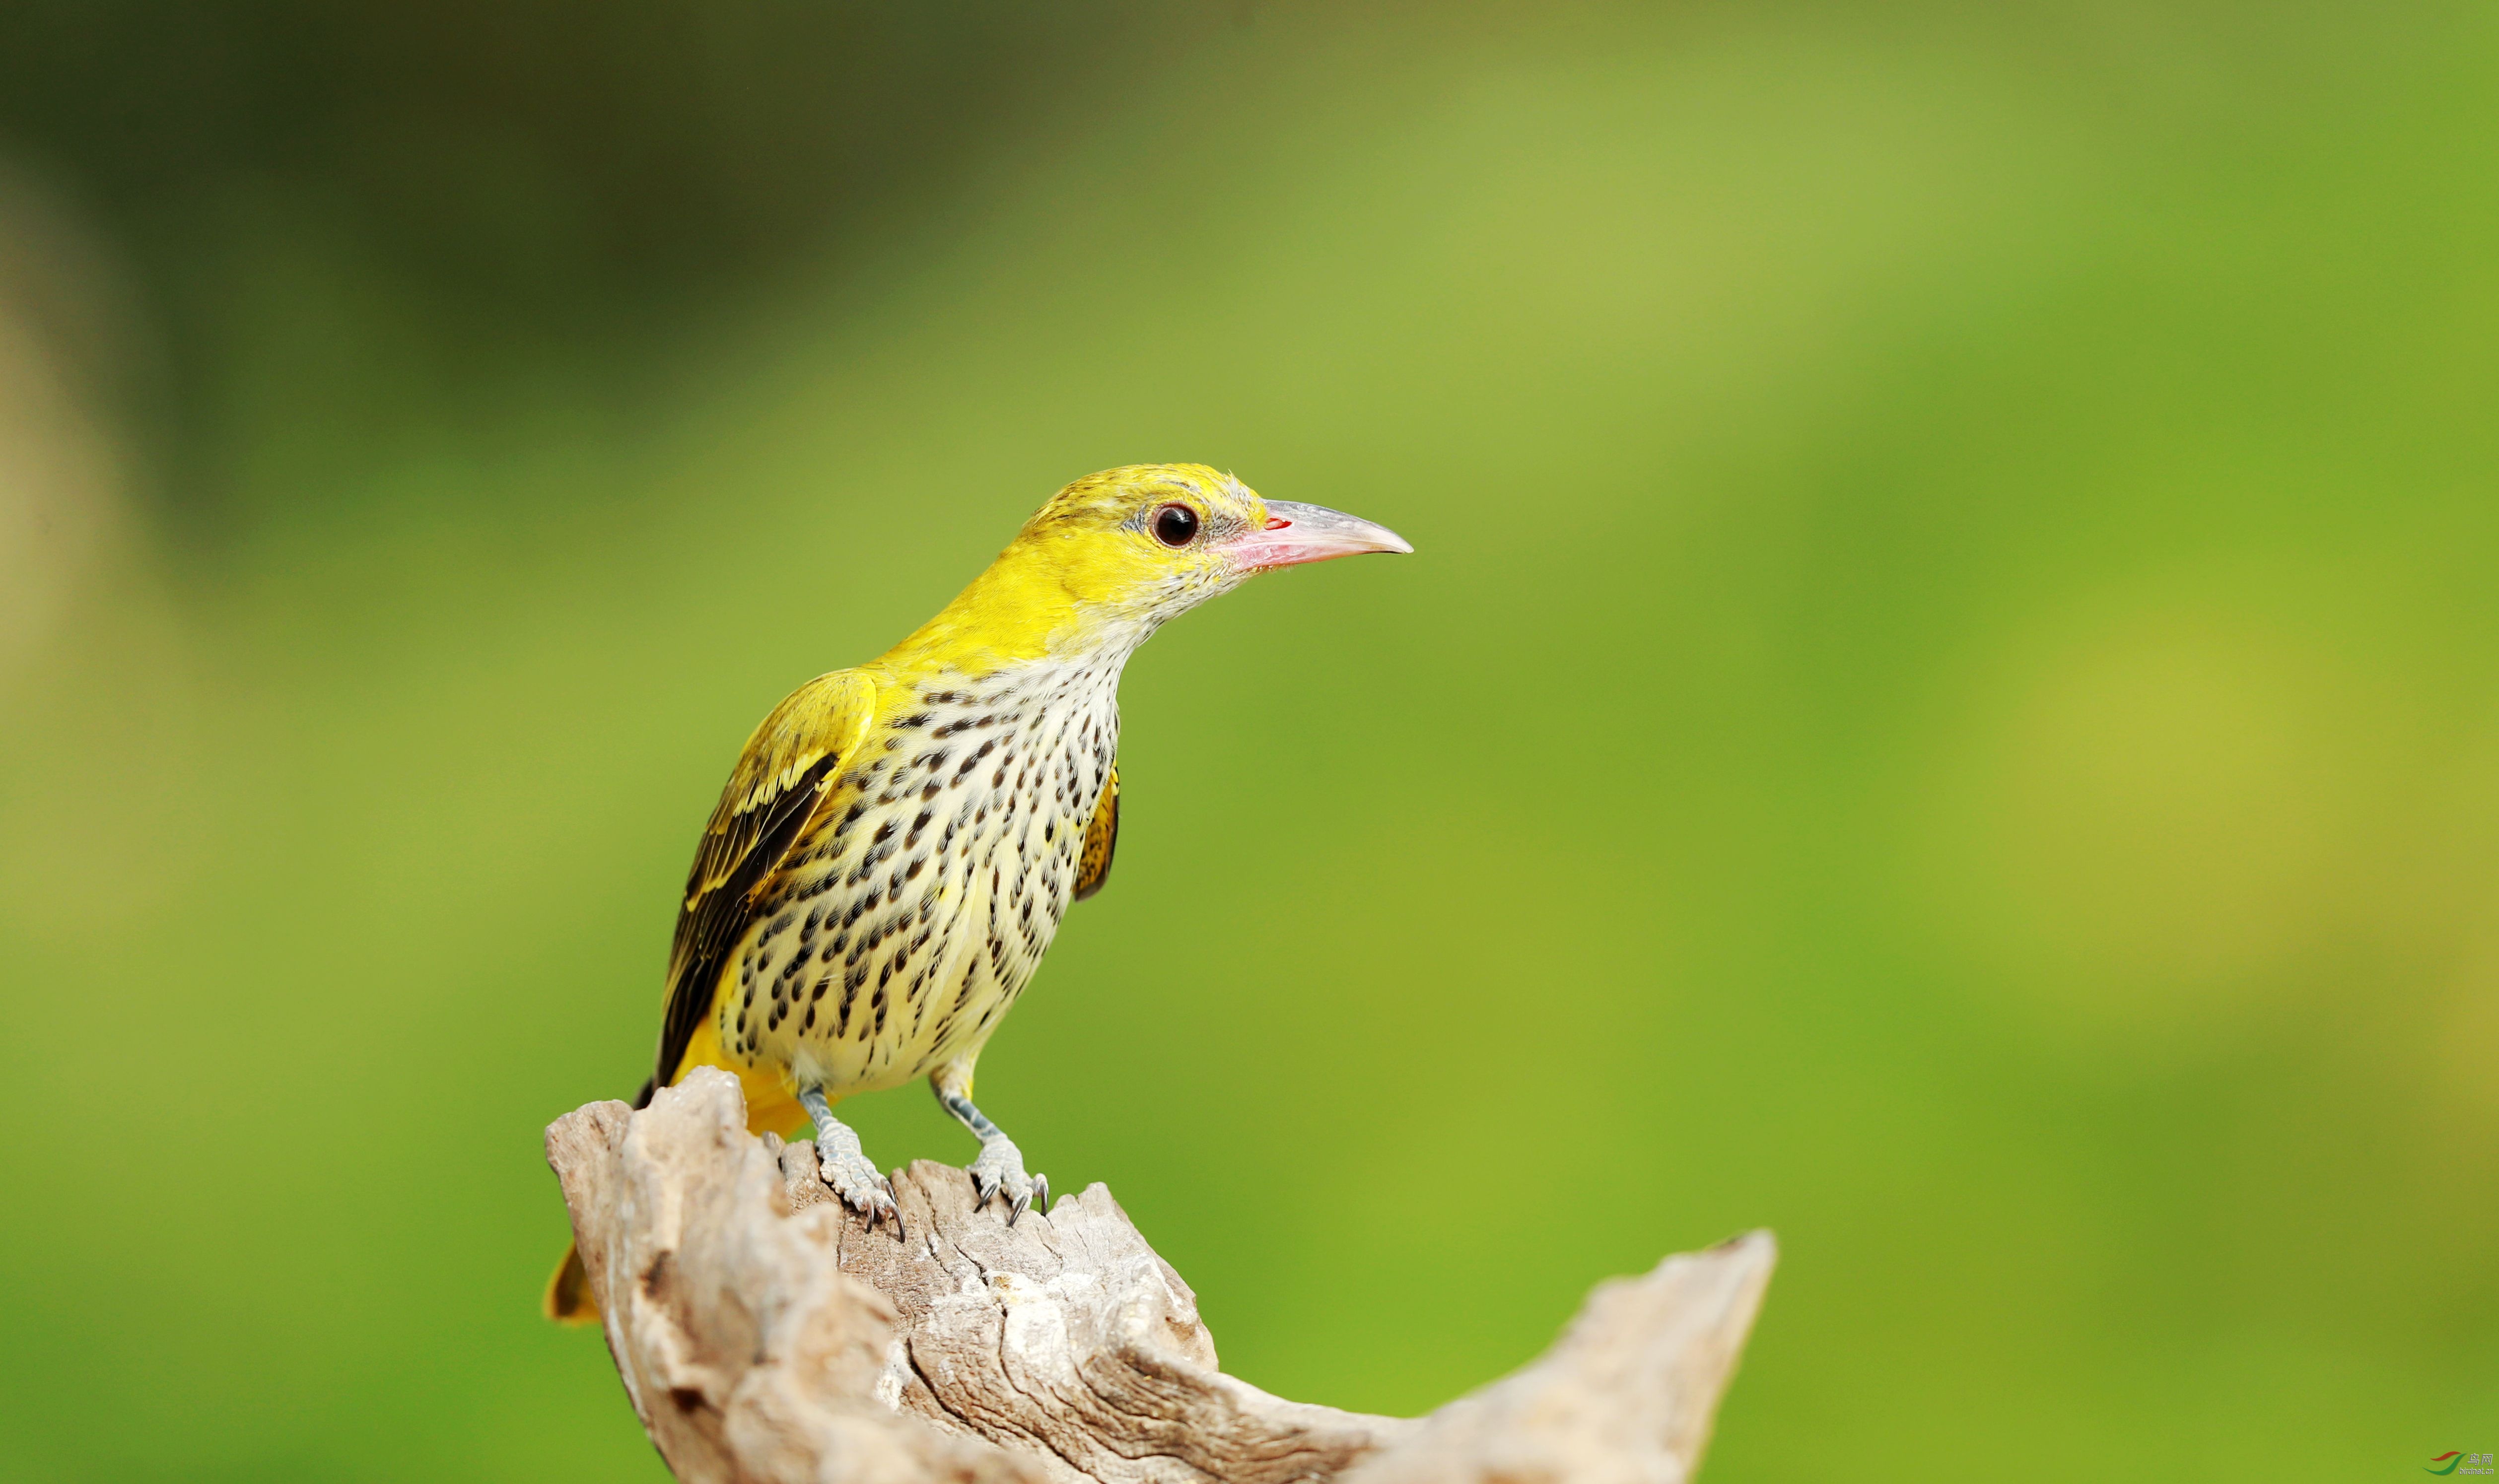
column 1947, row 702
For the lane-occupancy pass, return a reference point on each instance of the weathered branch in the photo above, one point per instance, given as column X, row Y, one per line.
column 765, row 1334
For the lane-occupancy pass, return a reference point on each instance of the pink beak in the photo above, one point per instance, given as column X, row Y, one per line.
column 1297, row 534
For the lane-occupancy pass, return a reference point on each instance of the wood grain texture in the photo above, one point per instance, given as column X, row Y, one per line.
column 764, row 1335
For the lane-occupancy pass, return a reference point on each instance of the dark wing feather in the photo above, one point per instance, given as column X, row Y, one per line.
column 1101, row 840
column 784, row 776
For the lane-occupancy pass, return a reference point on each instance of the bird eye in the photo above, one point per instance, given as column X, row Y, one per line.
column 1175, row 525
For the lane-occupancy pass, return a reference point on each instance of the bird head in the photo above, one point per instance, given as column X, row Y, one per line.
column 1115, row 554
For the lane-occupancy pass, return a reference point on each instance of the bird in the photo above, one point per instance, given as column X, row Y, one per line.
column 898, row 843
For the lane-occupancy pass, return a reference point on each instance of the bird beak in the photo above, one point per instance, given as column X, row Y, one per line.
column 1298, row 534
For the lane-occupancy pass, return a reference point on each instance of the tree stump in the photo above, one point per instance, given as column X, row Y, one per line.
column 765, row 1334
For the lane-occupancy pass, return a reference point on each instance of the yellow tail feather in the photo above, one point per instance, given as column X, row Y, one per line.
column 568, row 1299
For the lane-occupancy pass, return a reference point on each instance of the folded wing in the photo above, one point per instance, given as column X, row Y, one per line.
column 783, row 778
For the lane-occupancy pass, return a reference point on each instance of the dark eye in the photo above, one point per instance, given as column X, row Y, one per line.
column 1175, row 525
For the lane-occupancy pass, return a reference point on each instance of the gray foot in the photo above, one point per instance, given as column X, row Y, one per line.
column 846, row 1168
column 999, row 1171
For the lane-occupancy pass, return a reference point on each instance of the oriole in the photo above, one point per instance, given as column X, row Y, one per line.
column 897, row 842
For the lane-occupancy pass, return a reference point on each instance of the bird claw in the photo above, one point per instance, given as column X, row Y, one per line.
column 999, row 1171
column 862, row 1187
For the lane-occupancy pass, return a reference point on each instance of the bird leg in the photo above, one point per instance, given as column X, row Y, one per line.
column 999, row 1170
column 844, row 1166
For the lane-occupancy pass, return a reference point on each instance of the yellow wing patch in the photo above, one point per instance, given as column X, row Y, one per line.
column 827, row 717
column 1101, row 840
column 787, row 769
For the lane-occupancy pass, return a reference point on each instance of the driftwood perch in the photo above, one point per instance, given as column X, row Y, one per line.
column 765, row 1334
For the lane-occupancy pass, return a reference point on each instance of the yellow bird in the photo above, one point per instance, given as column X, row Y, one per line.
column 898, row 843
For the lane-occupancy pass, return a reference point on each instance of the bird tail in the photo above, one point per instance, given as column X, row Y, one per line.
column 568, row 1299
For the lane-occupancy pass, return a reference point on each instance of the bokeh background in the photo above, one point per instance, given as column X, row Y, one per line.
column 1947, row 703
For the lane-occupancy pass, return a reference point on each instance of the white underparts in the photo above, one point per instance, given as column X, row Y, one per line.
column 918, row 906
